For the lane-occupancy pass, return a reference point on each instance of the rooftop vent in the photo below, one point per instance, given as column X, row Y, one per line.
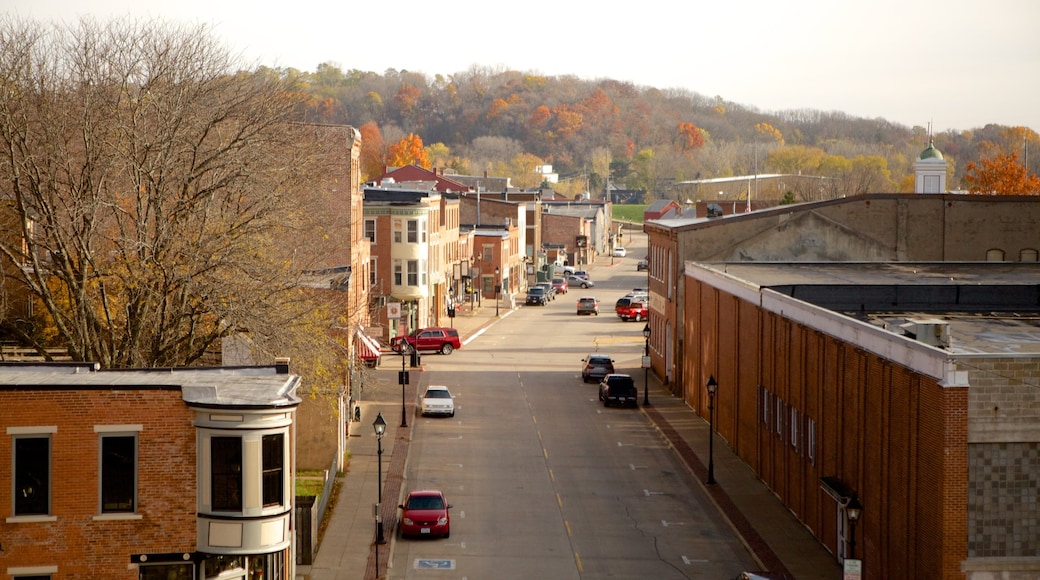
column 931, row 331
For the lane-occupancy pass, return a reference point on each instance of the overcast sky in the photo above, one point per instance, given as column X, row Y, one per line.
column 958, row 64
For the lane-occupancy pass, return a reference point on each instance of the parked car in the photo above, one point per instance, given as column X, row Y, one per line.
column 581, row 282
column 595, row 366
column 642, row 265
column 636, row 310
column 619, row 252
column 560, row 285
column 437, row 400
column 588, row 305
column 617, row 389
column 550, row 292
column 580, row 274
column 425, row 513
column 568, row 270
column 536, row 296
column 443, row 340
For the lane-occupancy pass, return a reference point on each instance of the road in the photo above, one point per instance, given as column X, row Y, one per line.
column 545, row 482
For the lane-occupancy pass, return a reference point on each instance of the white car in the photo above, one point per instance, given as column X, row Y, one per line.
column 619, row 252
column 437, row 400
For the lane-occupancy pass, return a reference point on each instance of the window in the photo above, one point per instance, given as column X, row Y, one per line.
column 794, row 428
column 373, row 279
column 370, row 230
column 274, row 465
column 398, row 273
column 763, row 406
column 118, row 474
column 413, row 272
column 810, row 439
column 422, row 231
column 413, row 231
column 779, row 414
column 32, row 475
column 226, row 476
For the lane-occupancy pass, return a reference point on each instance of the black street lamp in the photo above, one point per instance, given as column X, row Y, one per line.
column 712, row 387
column 402, row 378
column 498, row 288
column 853, row 509
column 646, row 365
column 380, row 427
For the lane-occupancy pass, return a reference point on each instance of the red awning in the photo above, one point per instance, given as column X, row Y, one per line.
column 367, row 347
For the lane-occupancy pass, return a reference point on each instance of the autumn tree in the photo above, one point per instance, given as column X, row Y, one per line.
column 373, row 151
column 523, row 171
column 1001, row 175
column 154, row 186
column 690, row 137
column 408, row 151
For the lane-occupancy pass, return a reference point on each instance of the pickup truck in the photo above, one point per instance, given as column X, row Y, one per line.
column 536, row 296
column 633, row 310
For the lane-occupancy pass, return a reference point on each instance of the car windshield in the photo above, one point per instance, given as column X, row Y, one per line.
column 438, row 394
column 599, row 360
column 425, row 502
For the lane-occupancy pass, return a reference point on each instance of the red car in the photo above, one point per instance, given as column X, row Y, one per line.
column 634, row 311
column 425, row 513
column 443, row 340
column 560, row 285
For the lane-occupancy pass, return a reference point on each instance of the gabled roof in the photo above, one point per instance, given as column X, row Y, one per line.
column 414, row 173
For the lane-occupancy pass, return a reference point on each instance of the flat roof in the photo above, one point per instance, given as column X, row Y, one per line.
column 258, row 387
column 991, row 308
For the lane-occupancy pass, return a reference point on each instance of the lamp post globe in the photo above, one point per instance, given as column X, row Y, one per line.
column 853, row 511
column 379, row 426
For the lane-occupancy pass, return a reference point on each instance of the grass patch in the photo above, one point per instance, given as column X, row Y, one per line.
column 628, row 213
column 310, row 482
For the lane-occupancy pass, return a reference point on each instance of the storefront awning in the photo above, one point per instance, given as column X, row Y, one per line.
column 367, row 347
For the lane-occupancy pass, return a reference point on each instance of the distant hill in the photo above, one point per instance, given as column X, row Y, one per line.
column 650, row 138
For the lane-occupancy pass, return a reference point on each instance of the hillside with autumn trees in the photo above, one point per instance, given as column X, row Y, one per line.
column 506, row 123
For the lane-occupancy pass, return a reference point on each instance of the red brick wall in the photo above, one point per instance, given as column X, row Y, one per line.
column 896, row 437
column 78, row 545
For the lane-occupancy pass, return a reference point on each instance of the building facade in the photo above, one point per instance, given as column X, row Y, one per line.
column 151, row 474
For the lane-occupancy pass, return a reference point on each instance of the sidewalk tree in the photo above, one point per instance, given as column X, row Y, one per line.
column 153, row 185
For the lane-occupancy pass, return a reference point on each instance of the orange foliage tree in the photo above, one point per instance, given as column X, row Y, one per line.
column 372, row 151
column 1001, row 175
column 408, row 151
column 690, row 137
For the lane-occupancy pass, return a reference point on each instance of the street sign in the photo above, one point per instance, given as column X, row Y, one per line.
column 402, row 377
column 853, row 569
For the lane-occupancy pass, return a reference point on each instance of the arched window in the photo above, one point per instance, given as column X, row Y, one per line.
column 1028, row 255
column 995, row 255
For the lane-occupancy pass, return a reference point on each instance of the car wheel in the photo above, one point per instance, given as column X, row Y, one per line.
column 446, row 348
column 452, row 414
column 447, row 534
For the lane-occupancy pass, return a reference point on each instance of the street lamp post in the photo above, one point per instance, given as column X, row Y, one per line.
column 380, row 427
column 403, row 379
column 498, row 288
column 853, row 511
column 646, row 365
column 712, row 387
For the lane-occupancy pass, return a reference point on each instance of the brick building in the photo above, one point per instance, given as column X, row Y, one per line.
column 882, row 347
column 161, row 473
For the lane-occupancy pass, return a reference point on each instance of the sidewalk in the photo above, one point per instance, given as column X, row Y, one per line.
column 778, row 541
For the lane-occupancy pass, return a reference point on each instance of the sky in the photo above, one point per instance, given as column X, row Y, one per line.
column 955, row 65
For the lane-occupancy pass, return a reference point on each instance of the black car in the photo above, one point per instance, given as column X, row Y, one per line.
column 642, row 265
column 595, row 366
column 618, row 390
column 536, row 296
